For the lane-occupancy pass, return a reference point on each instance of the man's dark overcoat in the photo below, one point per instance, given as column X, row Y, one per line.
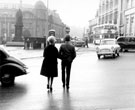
column 49, row 66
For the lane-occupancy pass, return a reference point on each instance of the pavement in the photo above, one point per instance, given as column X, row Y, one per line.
column 22, row 53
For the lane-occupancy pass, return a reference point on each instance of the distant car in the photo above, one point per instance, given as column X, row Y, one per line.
column 10, row 67
column 96, row 42
column 126, row 43
column 108, row 47
column 78, row 43
column 73, row 42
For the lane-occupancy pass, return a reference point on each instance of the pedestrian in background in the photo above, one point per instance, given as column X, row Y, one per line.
column 67, row 54
column 49, row 66
column 86, row 42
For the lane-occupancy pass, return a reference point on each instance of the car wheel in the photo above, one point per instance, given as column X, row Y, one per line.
column 113, row 55
column 126, row 50
column 98, row 56
column 121, row 50
column 118, row 54
column 7, row 79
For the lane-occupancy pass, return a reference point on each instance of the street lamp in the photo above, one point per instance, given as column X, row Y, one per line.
column 46, row 29
column 5, row 34
column 47, row 18
column 67, row 30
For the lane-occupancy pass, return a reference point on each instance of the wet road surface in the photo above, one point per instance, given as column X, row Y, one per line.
column 106, row 84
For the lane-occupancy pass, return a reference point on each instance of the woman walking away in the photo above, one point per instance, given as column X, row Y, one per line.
column 49, row 67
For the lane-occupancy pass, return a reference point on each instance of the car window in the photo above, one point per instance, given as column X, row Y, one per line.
column 121, row 39
column 131, row 39
column 2, row 55
column 107, row 42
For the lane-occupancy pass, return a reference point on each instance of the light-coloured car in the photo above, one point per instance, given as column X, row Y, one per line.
column 108, row 47
column 78, row 43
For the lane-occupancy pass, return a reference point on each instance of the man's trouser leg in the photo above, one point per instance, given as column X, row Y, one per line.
column 63, row 72
column 68, row 69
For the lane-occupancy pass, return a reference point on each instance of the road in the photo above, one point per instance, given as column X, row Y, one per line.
column 105, row 84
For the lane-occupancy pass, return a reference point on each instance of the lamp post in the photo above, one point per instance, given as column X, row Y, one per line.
column 67, row 30
column 46, row 26
column 5, row 33
column 47, row 18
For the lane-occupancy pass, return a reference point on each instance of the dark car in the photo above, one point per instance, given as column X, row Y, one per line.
column 10, row 67
column 126, row 43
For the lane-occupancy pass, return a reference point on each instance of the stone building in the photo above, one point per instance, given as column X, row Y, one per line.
column 129, row 18
column 119, row 13
column 34, row 21
column 110, row 14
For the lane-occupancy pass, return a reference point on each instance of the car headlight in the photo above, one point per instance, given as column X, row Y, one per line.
column 112, row 48
column 97, row 49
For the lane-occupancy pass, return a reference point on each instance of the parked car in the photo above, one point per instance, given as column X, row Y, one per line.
column 96, row 42
column 78, row 43
column 108, row 47
column 126, row 43
column 10, row 67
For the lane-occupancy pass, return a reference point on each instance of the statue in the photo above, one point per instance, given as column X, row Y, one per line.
column 18, row 26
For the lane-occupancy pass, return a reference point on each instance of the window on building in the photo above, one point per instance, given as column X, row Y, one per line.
column 103, row 20
column 106, row 19
column 100, row 9
column 110, row 18
column 99, row 20
column 115, row 17
column 116, row 2
column 107, row 5
column 127, row 25
column 129, row 4
column 103, row 8
column 132, row 25
column 12, row 26
column 133, row 3
column 111, row 4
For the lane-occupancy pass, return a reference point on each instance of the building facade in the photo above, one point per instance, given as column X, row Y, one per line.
column 108, row 12
column 110, row 18
column 130, row 18
column 34, row 21
column 119, row 13
column 92, row 24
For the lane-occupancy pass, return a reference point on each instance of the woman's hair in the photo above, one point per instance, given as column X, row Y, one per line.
column 51, row 40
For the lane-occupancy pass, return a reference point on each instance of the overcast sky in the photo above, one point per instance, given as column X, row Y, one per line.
column 72, row 12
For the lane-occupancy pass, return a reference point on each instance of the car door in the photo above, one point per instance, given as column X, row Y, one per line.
column 121, row 42
column 131, row 43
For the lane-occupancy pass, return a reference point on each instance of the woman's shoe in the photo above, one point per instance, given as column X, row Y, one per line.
column 63, row 86
column 47, row 86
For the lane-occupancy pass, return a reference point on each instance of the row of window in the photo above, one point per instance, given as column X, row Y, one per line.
column 130, row 24
column 130, row 4
column 107, row 5
column 112, row 18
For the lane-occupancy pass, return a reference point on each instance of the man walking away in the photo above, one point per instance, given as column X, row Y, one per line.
column 67, row 54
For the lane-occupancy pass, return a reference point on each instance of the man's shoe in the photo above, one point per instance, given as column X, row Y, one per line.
column 51, row 89
column 64, row 86
column 67, row 87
